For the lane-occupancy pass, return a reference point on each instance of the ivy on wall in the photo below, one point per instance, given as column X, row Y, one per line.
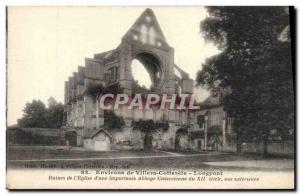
column 112, row 121
column 150, row 125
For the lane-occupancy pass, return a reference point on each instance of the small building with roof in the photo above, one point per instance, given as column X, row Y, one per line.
column 97, row 140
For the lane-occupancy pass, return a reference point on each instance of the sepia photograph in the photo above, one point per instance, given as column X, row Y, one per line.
column 150, row 98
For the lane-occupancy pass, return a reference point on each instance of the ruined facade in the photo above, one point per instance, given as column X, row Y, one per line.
column 212, row 128
column 111, row 72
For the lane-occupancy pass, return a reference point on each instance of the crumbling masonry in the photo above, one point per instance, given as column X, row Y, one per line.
column 145, row 42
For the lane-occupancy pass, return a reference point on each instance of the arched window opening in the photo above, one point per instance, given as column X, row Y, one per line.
column 146, row 71
column 140, row 74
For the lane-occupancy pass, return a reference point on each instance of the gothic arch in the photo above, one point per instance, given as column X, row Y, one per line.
column 153, row 65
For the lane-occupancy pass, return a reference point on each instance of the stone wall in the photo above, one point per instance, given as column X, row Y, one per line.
column 282, row 148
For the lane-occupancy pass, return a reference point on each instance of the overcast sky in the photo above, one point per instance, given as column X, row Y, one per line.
column 46, row 44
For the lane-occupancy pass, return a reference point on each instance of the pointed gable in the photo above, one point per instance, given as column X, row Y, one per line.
column 147, row 31
column 95, row 132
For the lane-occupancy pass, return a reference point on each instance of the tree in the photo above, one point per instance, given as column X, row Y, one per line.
column 37, row 115
column 34, row 115
column 54, row 114
column 255, row 64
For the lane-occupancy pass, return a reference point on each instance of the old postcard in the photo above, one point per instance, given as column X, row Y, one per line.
column 150, row 97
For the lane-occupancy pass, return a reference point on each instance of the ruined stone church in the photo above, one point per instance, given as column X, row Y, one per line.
column 111, row 72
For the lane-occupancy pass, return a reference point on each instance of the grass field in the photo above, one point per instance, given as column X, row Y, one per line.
column 61, row 157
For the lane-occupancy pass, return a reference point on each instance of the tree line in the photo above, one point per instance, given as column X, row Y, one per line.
column 37, row 114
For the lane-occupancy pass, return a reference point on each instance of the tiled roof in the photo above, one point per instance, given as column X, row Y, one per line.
column 93, row 133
